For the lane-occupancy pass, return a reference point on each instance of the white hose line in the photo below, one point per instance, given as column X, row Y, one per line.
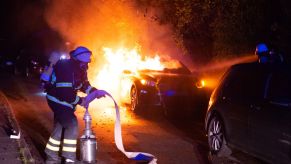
column 139, row 156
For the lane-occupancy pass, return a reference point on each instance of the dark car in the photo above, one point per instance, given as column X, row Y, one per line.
column 250, row 110
column 168, row 88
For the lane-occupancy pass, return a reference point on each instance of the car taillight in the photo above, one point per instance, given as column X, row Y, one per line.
column 200, row 84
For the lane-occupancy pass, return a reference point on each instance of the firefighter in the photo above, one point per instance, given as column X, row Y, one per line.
column 63, row 79
column 262, row 52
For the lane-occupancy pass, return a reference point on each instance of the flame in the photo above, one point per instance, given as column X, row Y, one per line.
column 120, row 60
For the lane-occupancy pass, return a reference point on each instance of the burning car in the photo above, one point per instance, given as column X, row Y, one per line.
column 172, row 87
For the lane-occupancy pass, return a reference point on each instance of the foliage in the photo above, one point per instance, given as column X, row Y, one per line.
column 219, row 28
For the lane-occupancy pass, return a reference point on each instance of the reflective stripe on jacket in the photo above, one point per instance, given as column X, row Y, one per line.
column 52, row 98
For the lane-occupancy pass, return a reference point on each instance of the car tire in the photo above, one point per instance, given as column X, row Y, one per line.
column 216, row 136
column 134, row 101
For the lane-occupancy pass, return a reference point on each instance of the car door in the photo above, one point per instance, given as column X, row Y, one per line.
column 235, row 105
column 270, row 125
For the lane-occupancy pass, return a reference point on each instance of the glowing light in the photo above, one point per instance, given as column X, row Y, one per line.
column 62, row 57
column 41, row 94
column 201, row 84
column 143, row 81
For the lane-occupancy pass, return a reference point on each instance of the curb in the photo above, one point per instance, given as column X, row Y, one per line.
column 26, row 156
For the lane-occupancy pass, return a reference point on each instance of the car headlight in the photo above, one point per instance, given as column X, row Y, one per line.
column 147, row 82
column 200, row 84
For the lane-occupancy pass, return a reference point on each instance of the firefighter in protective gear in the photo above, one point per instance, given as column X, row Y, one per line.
column 68, row 77
column 262, row 51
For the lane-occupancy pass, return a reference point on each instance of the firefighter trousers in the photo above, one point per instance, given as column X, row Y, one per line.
column 64, row 121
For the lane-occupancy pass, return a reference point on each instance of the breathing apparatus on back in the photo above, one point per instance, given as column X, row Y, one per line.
column 54, row 58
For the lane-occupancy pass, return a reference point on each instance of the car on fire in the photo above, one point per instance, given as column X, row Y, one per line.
column 250, row 110
column 170, row 89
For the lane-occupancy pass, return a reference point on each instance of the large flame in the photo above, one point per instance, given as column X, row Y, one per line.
column 119, row 60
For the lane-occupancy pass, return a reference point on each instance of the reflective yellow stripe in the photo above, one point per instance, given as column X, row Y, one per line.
column 67, row 141
column 53, row 148
column 53, row 141
column 69, row 149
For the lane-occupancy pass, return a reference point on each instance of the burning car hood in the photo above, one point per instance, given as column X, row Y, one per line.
column 170, row 80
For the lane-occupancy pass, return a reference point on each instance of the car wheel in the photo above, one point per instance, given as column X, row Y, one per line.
column 216, row 135
column 134, row 99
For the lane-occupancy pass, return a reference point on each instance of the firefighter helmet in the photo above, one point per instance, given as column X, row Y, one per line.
column 261, row 48
column 82, row 54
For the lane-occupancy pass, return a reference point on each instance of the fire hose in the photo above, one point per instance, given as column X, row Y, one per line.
column 138, row 156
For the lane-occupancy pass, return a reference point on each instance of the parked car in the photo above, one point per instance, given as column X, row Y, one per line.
column 173, row 89
column 250, row 110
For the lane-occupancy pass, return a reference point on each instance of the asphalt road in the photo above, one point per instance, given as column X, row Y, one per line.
column 171, row 141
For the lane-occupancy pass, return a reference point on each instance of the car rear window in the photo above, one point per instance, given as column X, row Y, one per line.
column 245, row 83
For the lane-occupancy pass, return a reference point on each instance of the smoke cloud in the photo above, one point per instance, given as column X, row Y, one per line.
column 110, row 23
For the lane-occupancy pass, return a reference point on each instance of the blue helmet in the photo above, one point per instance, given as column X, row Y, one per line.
column 261, row 48
column 82, row 54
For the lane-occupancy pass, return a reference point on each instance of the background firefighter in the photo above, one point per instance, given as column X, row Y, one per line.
column 63, row 79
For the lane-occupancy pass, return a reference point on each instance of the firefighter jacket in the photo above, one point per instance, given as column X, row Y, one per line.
column 66, row 80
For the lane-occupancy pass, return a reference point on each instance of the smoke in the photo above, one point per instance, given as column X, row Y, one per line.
column 110, row 23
